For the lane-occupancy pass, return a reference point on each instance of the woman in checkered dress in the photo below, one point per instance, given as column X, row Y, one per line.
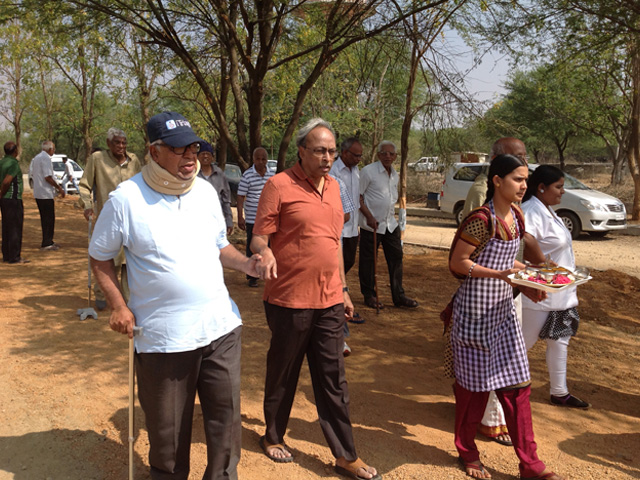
column 488, row 349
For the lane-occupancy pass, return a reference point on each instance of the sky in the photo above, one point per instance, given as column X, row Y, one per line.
column 486, row 80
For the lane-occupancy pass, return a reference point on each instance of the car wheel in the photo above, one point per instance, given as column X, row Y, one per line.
column 457, row 212
column 572, row 222
column 599, row 234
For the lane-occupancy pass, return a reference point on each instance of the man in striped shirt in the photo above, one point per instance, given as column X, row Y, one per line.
column 249, row 190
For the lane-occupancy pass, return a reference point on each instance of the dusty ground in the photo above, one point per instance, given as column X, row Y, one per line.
column 63, row 385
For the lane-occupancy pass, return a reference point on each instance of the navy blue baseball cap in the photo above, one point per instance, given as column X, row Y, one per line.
column 172, row 128
column 206, row 147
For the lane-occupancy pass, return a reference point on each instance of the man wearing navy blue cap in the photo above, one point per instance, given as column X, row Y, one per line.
column 210, row 172
column 174, row 236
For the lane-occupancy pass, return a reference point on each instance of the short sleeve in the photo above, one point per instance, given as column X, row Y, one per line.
column 243, row 186
column 107, row 237
column 475, row 229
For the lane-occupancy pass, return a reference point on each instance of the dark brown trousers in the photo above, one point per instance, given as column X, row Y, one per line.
column 167, row 386
column 318, row 334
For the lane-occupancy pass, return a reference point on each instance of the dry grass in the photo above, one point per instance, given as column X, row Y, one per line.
column 602, row 182
column 419, row 184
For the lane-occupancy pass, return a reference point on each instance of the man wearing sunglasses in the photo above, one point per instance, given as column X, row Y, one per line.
column 171, row 226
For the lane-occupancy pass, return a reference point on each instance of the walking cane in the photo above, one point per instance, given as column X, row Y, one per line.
column 132, row 401
column 375, row 270
column 89, row 311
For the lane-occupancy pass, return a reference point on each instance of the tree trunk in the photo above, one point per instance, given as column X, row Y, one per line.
column 47, row 100
column 17, row 107
column 406, row 130
column 633, row 156
column 323, row 62
column 378, row 118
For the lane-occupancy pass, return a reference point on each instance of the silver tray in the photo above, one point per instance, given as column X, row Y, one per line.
column 547, row 288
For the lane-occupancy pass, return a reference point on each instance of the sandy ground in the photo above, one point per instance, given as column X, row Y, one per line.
column 63, row 385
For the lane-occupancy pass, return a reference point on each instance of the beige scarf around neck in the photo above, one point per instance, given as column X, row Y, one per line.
column 162, row 181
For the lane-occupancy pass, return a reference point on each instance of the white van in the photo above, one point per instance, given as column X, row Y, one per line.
column 582, row 209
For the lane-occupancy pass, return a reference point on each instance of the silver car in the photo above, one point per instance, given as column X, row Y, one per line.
column 582, row 209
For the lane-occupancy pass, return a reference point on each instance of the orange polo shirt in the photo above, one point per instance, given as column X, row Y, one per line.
column 305, row 228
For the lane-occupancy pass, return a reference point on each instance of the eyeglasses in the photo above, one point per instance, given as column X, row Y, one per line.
column 320, row 152
column 357, row 155
column 193, row 148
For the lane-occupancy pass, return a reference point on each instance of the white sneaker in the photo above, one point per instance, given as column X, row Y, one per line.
column 53, row 246
column 346, row 350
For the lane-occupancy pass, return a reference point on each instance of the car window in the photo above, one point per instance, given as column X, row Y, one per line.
column 468, row 174
column 58, row 166
column 76, row 167
column 232, row 171
column 572, row 183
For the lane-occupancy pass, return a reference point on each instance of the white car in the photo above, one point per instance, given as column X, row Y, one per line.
column 58, row 172
column 582, row 209
column 425, row 165
column 272, row 165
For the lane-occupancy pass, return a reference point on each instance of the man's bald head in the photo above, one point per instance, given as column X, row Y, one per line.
column 509, row 145
column 260, row 160
column 10, row 148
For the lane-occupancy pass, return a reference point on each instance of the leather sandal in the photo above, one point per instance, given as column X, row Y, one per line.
column 475, row 468
column 404, row 301
column 373, row 302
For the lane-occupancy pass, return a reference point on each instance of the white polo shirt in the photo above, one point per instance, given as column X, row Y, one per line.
column 172, row 244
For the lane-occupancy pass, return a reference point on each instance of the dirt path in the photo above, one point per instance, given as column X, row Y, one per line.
column 621, row 252
column 63, row 385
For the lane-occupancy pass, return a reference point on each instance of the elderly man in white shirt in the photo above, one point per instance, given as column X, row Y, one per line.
column 378, row 196
column 171, row 226
column 346, row 169
column 44, row 184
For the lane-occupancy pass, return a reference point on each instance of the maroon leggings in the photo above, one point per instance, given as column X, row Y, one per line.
column 517, row 412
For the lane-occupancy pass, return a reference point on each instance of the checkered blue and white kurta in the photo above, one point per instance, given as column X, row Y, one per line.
column 486, row 340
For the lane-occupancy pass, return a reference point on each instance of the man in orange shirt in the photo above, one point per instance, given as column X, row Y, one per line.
column 306, row 299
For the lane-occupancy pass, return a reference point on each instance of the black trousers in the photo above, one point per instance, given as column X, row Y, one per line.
column 249, row 230
column 316, row 333
column 47, row 209
column 349, row 248
column 12, row 221
column 392, row 247
column 167, row 386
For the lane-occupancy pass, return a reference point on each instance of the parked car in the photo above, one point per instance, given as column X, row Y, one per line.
column 58, row 172
column 272, row 165
column 233, row 174
column 582, row 208
column 426, row 165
